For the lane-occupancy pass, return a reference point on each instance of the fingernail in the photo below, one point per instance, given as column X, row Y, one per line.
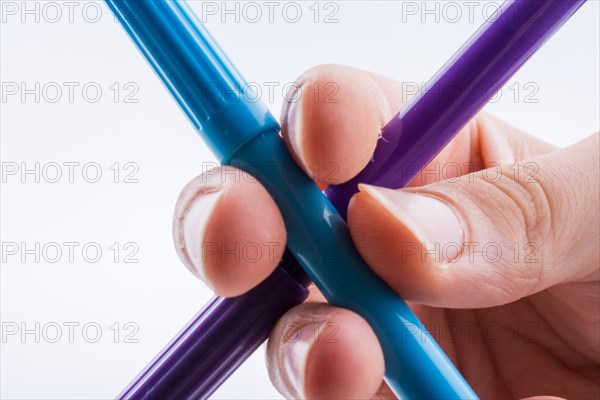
column 295, row 355
column 434, row 224
column 293, row 123
column 195, row 223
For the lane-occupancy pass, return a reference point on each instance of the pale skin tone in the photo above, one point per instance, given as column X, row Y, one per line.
column 523, row 325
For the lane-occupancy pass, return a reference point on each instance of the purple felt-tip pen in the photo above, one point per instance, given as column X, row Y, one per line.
column 224, row 334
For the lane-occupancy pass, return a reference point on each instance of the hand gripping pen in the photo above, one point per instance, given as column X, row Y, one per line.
column 244, row 134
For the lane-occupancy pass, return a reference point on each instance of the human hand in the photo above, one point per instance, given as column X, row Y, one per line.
column 494, row 245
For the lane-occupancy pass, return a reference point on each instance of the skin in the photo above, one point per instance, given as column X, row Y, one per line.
column 518, row 327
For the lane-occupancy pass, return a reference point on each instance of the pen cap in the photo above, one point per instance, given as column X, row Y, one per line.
column 219, row 102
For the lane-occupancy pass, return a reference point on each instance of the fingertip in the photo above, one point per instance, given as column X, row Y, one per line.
column 229, row 232
column 244, row 240
column 393, row 250
column 320, row 351
column 346, row 362
column 332, row 122
column 421, row 248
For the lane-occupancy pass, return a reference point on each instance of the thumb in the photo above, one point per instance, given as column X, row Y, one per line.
column 487, row 238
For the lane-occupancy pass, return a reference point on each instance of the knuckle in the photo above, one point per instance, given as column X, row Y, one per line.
column 526, row 187
column 525, row 196
column 520, row 191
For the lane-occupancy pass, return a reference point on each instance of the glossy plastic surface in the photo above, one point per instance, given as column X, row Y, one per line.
column 216, row 341
column 187, row 60
column 208, row 88
column 185, row 57
column 319, row 239
column 457, row 92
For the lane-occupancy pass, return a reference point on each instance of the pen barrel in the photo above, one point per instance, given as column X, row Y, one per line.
column 216, row 342
column 319, row 239
column 245, row 135
column 212, row 93
column 460, row 89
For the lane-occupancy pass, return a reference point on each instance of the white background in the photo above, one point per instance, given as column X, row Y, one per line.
column 157, row 294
